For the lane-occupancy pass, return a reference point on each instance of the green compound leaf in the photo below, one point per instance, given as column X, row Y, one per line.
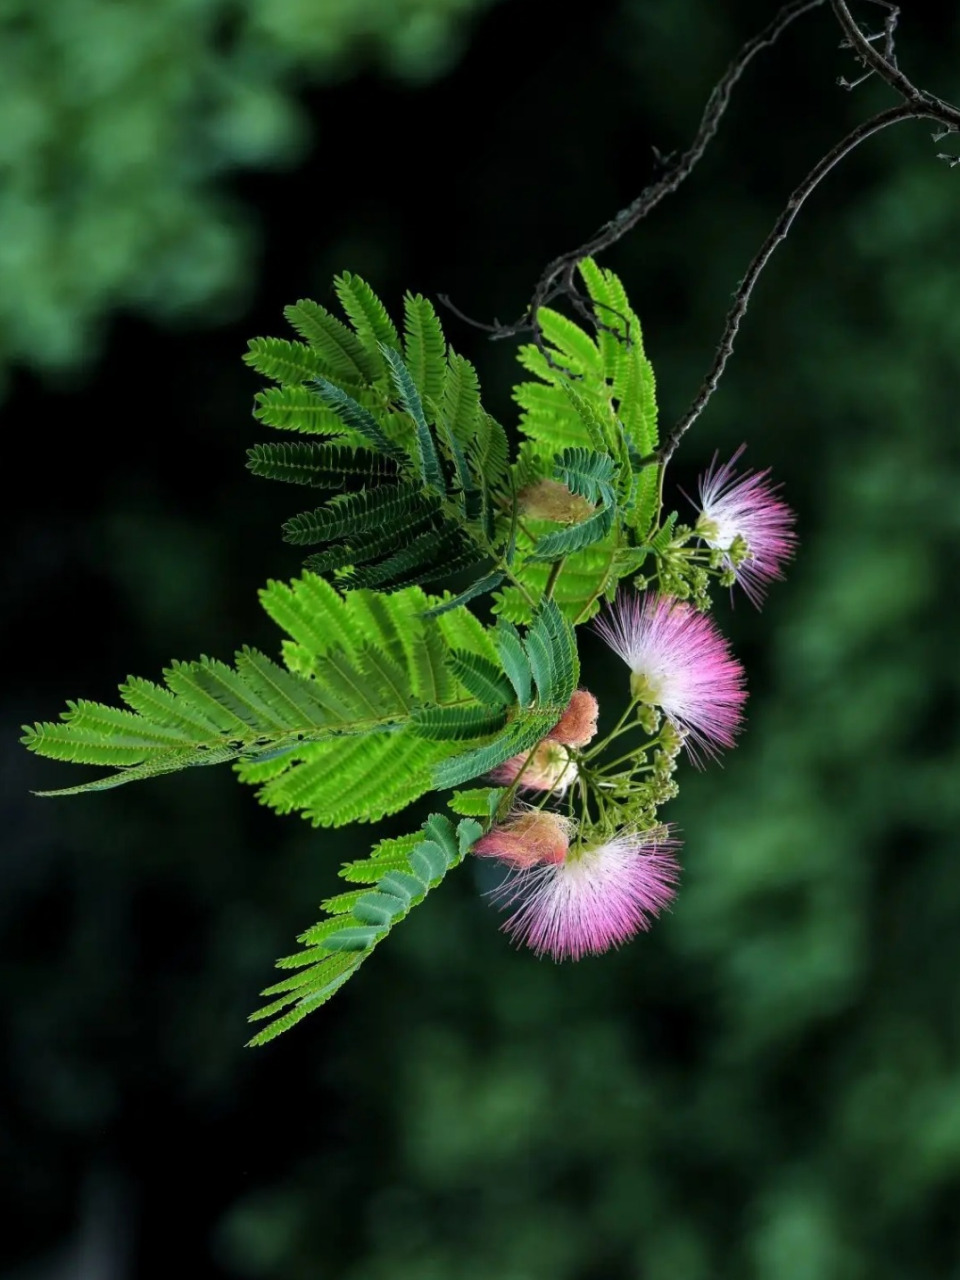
column 630, row 373
column 322, row 466
column 446, row 724
column 477, row 802
column 362, row 548
column 425, row 348
column 518, row 737
column 588, row 577
column 550, row 655
column 353, row 513
column 471, row 488
column 357, row 418
column 515, row 662
column 661, row 540
column 367, row 314
column 460, row 401
column 574, row 538
column 489, row 451
column 342, row 355
column 551, row 648
column 417, row 416
column 427, row 557
column 574, row 347
column 331, row 734
column 587, row 473
column 596, row 398
column 594, row 412
column 299, row 408
column 478, row 588
column 427, row 459
column 484, row 679
column 282, row 361
column 400, row 874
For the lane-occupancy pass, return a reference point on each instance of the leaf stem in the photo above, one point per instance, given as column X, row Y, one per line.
column 620, row 727
column 584, row 612
column 502, row 564
column 555, row 569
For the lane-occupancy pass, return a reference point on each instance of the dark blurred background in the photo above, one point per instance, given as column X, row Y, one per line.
column 767, row 1087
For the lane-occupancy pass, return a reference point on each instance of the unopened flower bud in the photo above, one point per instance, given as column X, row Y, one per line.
column 527, row 839
column 551, row 500
column 578, row 724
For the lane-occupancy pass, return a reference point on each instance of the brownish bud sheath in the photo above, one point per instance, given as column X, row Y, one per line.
column 551, row 500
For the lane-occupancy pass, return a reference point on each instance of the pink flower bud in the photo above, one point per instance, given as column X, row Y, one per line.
column 527, row 839
column 578, row 724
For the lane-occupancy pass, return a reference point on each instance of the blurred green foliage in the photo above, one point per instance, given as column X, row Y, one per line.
column 766, row 1087
column 119, row 121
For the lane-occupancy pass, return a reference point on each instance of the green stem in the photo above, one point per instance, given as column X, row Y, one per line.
column 589, row 788
column 584, row 798
column 651, row 745
column 602, row 586
column 506, row 800
column 620, row 727
column 514, row 513
column 500, row 558
column 552, row 579
column 631, row 755
column 502, row 564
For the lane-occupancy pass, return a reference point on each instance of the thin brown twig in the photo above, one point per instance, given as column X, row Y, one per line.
column 777, row 235
column 888, row 70
column 558, row 277
column 889, row 37
column 917, row 104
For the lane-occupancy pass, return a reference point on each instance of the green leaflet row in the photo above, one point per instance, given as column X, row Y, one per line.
column 372, row 707
column 395, row 878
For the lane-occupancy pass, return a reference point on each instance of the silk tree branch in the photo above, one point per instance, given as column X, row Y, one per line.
column 777, row 235
column 917, row 104
column 558, row 278
column 927, row 104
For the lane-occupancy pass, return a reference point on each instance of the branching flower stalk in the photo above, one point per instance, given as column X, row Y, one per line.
column 430, row 641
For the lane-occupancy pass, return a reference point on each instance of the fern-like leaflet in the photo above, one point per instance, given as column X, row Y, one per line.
column 424, row 461
column 396, row 877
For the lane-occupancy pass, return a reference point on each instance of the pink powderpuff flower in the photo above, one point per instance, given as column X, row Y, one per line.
column 527, row 838
column 595, row 899
column 749, row 509
column 578, row 724
column 681, row 663
column 547, row 767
